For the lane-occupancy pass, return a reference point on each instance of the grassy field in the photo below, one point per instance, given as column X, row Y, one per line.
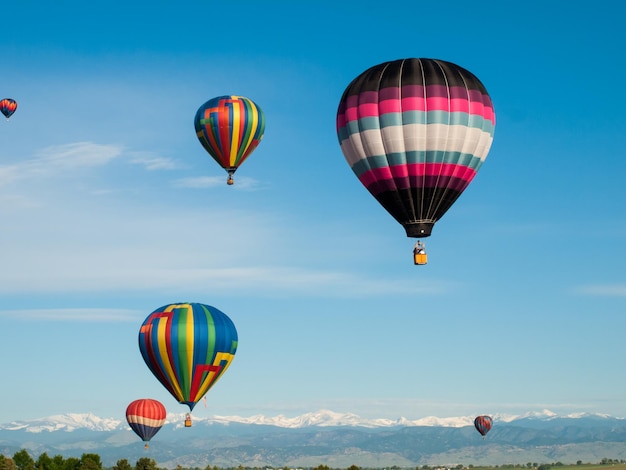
column 586, row 466
column 594, row 466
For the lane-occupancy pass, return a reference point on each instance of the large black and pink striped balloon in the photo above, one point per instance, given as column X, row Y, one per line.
column 415, row 132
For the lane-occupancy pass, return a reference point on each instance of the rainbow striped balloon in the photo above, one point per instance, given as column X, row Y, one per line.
column 230, row 128
column 188, row 346
column 415, row 132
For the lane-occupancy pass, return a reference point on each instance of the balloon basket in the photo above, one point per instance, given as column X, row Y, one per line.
column 420, row 258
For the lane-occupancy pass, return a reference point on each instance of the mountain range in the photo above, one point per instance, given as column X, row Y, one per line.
column 337, row 440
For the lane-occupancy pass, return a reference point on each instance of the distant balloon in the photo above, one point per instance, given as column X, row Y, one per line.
column 230, row 128
column 145, row 417
column 415, row 132
column 8, row 107
column 188, row 346
column 483, row 424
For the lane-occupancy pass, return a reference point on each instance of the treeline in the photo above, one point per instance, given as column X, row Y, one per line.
column 22, row 460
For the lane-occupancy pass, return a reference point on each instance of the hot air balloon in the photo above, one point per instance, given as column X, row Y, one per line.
column 145, row 417
column 188, row 346
column 483, row 424
column 230, row 128
column 8, row 107
column 415, row 132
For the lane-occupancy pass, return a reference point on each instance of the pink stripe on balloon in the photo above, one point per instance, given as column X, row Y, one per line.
column 427, row 182
column 489, row 114
column 368, row 110
column 419, row 170
column 390, row 106
column 459, row 105
column 413, row 103
column 366, row 105
column 437, row 103
column 341, row 120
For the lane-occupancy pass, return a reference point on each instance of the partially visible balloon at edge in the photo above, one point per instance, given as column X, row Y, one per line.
column 8, row 107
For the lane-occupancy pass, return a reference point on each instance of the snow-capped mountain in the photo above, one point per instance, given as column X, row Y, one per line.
column 337, row 440
column 322, row 418
column 67, row 422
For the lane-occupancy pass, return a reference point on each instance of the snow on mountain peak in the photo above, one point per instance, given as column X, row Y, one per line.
column 68, row 422
column 322, row 418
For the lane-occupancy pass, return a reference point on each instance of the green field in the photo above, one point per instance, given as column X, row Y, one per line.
column 587, row 466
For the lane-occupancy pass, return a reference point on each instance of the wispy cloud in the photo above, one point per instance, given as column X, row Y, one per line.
column 58, row 160
column 603, row 290
column 74, row 314
column 199, row 182
column 203, row 182
column 8, row 174
column 61, row 159
column 153, row 162
column 257, row 281
column 75, row 155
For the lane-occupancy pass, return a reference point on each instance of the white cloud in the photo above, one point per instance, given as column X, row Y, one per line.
column 63, row 159
column 203, row 182
column 59, row 160
column 152, row 162
column 105, row 274
column 66, row 242
column 199, row 182
column 606, row 290
column 79, row 154
column 75, row 314
column 8, row 174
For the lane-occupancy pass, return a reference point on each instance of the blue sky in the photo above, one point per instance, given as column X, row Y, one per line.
column 111, row 208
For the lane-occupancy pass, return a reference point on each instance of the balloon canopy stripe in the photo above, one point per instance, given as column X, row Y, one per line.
column 145, row 421
column 373, row 104
column 392, row 178
column 190, row 348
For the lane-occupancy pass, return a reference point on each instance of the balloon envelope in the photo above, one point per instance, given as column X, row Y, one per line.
column 188, row 346
column 415, row 132
column 483, row 424
column 8, row 107
column 145, row 417
column 229, row 128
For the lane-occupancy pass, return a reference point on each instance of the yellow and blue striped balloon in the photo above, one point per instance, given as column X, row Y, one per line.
column 230, row 128
column 188, row 346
